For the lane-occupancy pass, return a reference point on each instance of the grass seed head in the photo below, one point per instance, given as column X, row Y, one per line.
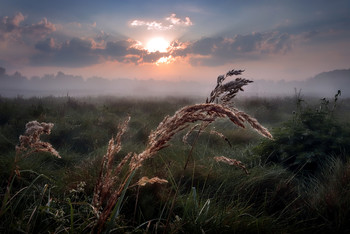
column 232, row 162
column 30, row 142
column 145, row 180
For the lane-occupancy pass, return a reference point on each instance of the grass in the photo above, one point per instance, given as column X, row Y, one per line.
column 202, row 195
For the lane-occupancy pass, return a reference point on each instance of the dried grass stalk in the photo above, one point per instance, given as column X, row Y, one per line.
column 107, row 177
column 201, row 126
column 222, row 136
column 185, row 137
column 206, row 112
column 231, row 161
column 30, row 142
column 145, row 180
column 254, row 123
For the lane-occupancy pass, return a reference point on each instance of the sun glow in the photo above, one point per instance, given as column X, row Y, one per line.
column 157, row 44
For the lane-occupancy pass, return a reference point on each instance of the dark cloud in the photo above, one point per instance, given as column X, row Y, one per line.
column 40, row 29
column 153, row 57
column 77, row 52
column 73, row 53
column 210, row 51
column 10, row 26
column 13, row 29
column 121, row 48
column 47, row 45
column 215, row 50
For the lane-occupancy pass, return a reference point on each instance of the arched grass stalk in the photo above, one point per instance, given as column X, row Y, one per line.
column 111, row 185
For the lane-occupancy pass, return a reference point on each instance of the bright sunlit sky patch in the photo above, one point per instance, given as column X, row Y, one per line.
column 175, row 40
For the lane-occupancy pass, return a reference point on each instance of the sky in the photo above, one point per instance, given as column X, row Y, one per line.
column 175, row 40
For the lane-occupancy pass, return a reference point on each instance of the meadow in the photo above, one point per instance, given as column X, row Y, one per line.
column 297, row 182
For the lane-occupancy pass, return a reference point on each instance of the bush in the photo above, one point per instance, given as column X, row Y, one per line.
column 303, row 143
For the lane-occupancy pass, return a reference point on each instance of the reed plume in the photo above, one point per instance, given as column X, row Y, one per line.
column 228, row 90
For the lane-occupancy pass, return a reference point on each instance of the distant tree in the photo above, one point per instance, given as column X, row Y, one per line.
column 2, row 71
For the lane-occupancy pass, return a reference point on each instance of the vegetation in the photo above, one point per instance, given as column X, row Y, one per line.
column 303, row 143
column 219, row 178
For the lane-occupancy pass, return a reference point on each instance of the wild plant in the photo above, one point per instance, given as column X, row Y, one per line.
column 112, row 184
column 29, row 143
column 303, row 143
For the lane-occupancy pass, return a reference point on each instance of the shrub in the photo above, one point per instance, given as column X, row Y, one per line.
column 303, row 143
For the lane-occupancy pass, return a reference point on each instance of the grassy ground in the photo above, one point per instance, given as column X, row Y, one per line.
column 55, row 195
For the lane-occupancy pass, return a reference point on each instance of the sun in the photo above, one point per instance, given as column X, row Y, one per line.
column 157, row 44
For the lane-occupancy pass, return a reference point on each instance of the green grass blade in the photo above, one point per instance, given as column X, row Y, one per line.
column 117, row 206
column 71, row 230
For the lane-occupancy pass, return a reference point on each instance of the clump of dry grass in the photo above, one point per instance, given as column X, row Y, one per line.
column 30, row 142
column 108, row 176
column 110, row 185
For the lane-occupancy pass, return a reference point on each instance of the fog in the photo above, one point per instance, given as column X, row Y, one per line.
column 325, row 84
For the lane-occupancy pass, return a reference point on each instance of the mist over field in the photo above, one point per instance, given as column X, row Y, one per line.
column 324, row 84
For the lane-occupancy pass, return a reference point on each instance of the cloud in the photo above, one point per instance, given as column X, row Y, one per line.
column 9, row 26
column 51, row 50
column 40, row 29
column 167, row 24
column 209, row 51
column 73, row 53
column 153, row 25
column 152, row 57
column 220, row 50
column 177, row 21
column 47, row 45
column 11, row 29
column 125, row 51
column 83, row 52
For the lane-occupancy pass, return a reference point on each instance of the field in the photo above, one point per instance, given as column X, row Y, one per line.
column 298, row 182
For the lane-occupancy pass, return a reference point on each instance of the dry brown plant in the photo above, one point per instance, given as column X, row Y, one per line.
column 228, row 90
column 231, row 161
column 192, row 129
column 30, row 142
column 222, row 136
column 155, row 180
column 109, row 175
